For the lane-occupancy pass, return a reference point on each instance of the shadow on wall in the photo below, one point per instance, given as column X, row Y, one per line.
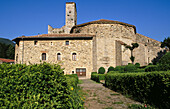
column 159, row 55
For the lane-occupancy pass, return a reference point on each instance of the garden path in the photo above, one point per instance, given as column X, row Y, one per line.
column 100, row 97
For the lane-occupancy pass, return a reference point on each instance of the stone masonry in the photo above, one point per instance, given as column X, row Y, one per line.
column 96, row 44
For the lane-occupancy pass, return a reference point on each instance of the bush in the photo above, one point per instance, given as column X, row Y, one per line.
column 150, row 64
column 101, row 70
column 110, row 69
column 130, row 68
column 137, row 65
column 98, row 77
column 93, row 73
column 152, row 88
column 151, row 68
column 164, row 62
column 119, row 68
column 37, row 86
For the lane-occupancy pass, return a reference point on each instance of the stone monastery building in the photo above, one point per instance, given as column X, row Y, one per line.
column 86, row 47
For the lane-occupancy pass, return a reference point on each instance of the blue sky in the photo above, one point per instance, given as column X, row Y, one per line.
column 32, row 17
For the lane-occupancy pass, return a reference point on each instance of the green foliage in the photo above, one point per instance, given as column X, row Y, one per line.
column 101, row 70
column 93, row 73
column 98, row 77
column 110, row 69
column 131, row 48
column 166, row 43
column 132, row 58
column 130, row 68
column 119, row 68
column 150, row 64
column 37, row 86
column 6, row 41
column 137, row 106
column 7, row 51
column 164, row 62
column 151, row 68
column 137, row 65
column 152, row 88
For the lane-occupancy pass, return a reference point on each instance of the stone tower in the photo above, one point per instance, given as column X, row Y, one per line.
column 71, row 16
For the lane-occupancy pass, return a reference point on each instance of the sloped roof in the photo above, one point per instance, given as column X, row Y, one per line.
column 104, row 21
column 6, row 60
column 55, row 36
column 147, row 37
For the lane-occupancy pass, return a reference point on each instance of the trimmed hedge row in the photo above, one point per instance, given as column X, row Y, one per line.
column 98, row 77
column 37, row 86
column 152, row 88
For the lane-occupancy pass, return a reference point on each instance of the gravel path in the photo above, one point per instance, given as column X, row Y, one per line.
column 100, row 97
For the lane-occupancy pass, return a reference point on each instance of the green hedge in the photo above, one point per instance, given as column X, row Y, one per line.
column 101, row 70
column 152, row 88
column 98, row 77
column 151, row 68
column 36, row 86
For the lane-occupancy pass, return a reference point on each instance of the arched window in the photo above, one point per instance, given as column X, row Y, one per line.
column 43, row 56
column 58, row 56
column 74, row 57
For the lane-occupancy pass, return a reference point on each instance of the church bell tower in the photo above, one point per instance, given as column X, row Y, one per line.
column 71, row 16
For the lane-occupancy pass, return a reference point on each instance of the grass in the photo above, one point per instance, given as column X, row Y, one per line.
column 108, row 108
column 118, row 102
column 80, row 82
column 114, row 94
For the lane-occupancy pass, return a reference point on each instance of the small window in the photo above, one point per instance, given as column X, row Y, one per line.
column 72, row 72
column 74, row 56
column 17, row 58
column 69, row 11
column 35, row 42
column 67, row 42
column 58, row 56
column 43, row 56
column 51, row 43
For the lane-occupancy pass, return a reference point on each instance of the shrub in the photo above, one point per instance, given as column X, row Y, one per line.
column 137, row 65
column 150, row 64
column 130, row 68
column 152, row 88
column 119, row 68
column 164, row 62
column 98, row 77
column 93, row 73
column 37, row 86
column 151, row 68
column 110, row 69
column 101, row 70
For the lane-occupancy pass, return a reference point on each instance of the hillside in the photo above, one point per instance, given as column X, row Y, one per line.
column 6, row 41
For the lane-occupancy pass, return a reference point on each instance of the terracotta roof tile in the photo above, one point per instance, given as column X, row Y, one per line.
column 104, row 21
column 6, row 60
column 57, row 36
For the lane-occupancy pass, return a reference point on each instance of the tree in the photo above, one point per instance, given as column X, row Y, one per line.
column 166, row 43
column 10, row 52
column 131, row 48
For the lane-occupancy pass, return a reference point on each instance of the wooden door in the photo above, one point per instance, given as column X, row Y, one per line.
column 81, row 71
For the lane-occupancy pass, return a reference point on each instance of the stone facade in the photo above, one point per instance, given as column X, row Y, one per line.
column 96, row 44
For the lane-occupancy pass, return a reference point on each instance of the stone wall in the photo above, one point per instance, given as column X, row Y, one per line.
column 147, row 50
column 106, row 34
column 33, row 53
column 118, row 53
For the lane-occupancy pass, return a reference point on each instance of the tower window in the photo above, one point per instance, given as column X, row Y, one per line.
column 69, row 11
column 35, row 42
column 58, row 56
column 67, row 42
column 74, row 57
column 43, row 56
